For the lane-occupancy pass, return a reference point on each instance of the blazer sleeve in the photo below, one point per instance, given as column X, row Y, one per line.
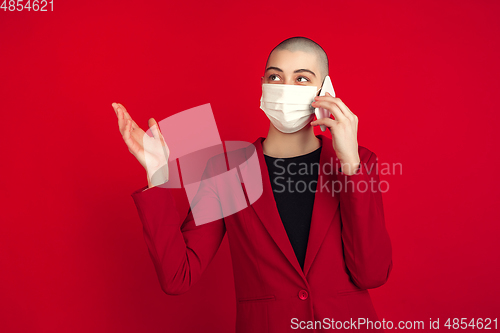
column 180, row 249
column 367, row 246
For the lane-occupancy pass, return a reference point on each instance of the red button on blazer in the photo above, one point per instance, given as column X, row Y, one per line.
column 348, row 251
column 303, row 294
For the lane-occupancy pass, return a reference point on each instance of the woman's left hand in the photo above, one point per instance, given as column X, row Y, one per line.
column 344, row 129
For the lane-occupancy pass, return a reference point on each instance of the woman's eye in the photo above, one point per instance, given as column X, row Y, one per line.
column 302, row 77
column 273, row 77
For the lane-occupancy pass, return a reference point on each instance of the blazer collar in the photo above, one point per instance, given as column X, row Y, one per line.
column 324, row 208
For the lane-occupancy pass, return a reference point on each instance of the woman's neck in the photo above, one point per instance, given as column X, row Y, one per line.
column 283, row 145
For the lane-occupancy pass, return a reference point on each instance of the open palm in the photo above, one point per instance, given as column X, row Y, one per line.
column 151, row 152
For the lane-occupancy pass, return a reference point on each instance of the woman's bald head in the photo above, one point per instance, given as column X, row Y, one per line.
column 305, row 45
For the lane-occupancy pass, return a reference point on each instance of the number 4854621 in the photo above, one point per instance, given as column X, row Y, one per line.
column 29, row 5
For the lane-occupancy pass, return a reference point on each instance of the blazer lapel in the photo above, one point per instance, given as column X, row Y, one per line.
column 325, row 205
column 266, row 209
column 325, row 202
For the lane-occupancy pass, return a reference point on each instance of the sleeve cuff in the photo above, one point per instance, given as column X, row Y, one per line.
column 142, row 189
column 155, row 201
column 359, row 171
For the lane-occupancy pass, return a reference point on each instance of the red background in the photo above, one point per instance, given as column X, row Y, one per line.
column 421, row 76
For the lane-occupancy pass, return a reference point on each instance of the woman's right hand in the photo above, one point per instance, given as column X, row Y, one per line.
column 151, row 152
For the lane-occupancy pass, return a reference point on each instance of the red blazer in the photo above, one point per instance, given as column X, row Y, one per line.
column 348, row 251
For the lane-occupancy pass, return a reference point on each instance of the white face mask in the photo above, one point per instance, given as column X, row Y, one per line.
column 288, row 106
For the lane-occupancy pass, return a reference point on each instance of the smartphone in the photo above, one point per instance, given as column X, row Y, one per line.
column 320, row 112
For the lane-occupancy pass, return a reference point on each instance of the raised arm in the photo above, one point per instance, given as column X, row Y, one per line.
column 367, row 246
column 180, row 249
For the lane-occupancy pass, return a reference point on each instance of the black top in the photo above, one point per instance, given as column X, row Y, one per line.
column 294, row 181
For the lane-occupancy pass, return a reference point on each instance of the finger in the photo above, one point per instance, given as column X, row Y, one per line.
column 126, row 115
column 343, row 107
column 328, row 122
column 119, row 113
column 122, row 122
column 128, row 138
column 153, row 125
column 124, row 110
column 332, row 107
column 157, row 134
column 114, row 105
column 337, row 101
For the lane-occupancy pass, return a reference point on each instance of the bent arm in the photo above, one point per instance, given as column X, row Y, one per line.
column 180, row 249
column 367, row 246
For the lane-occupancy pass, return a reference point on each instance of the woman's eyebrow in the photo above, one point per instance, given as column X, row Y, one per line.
column 296, row 71
column 304, row 70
